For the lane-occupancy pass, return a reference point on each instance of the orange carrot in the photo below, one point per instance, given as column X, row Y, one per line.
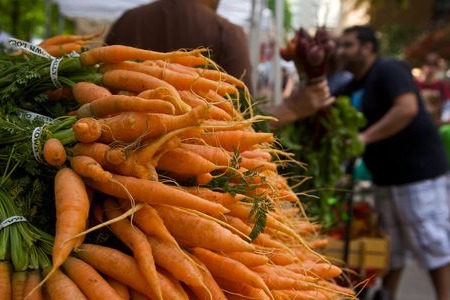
column 192, row 100
column 171, row 288
column 5, row 280
column 216, row 155
column 91, row 283
column 33, row 279
column 136, row 240
column 115, row 264
column 257, row 164
column 202, row 232
column 153, row 192
column 241, row 290
column 87, row 130
column 60, row 287
column 237, row 139
column 114, row 104
column 322, row 270
column 54, row 152
column 102, row 153
column 18, row 282
column 248, row 259
column 182, row 161
column 120, row 288
column 210, row 195
column 67, row 38
column 312, row 294
column 219, row 101
column 72, row 210
column 203, row 179
column 128, row 127
column 118, row 53
column 64, row 49
column 167, row 94
column 229, row 269
column 135, row 295
column 189, row 60
column 177, row 263
column 181, row 81
column 63, row 93
column 149, row 221
column 86, row 92
column 86, row 166
column 213, row 290
column 259, row 154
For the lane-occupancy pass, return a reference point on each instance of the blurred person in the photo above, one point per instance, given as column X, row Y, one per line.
column 168, row 25
column 405, row 157
column 435, row 89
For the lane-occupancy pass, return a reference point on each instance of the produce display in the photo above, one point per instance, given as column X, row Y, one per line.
column 132, row 174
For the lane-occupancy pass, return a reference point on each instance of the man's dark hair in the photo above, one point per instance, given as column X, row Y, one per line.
column 364, row 34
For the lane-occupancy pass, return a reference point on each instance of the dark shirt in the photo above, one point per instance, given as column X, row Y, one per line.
column 415, row 153
column 168, row 25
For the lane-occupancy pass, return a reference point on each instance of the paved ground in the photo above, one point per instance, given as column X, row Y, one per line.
column 415, row 285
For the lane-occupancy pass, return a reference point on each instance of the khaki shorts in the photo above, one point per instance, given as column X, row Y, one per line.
column 417, row 219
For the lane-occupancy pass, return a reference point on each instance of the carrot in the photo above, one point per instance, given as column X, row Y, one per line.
column 182, row 161
column 54, row 152
column 278, row 282
column 18, row 282
column 202, row 232
column 213, row 290
column 87, row 130
column 214, row 98
column 120, row 288
column 33, row 279
column 167, row 94
column 323, row 270
column 210, row 195
column 192, row 100
column 60, row 287
column 86, row 166
column 203, row 179
column 135, row 295
column 237, row 139
column 72, row 210
column 114, row 104
column 62, row 93
column 318, row 244
column 102, row 153
column 128, row 127
column 171, row 288
column 257, row 164
column 118, row 53
column 86, row 92
column 281, row 257
column 64, row 49
column 91, row 283
column 312, row 294
column 189, row 60
column 181, row 81
column 5, row 280
column 177, row 263
column 149, row 221
column 216, row 155
column 259, row 154
column 115, row 264
column 249, row 259
column 241, row 290
column 229, row 269
column 67, row 38
column 136, row 240
column 147, row 191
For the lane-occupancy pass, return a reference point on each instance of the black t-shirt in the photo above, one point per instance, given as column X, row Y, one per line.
column 416, row 153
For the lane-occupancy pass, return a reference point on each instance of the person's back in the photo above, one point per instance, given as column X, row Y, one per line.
column 168, row 25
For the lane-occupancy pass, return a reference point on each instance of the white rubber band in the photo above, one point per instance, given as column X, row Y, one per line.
column 36, row 144
column 54, row 72
column 32, row 116
column 29, row 47
column 11, row 220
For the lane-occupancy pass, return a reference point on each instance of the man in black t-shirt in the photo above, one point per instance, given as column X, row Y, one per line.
column 405, row 157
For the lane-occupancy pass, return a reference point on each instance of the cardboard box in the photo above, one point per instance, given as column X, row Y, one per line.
column 364, row 253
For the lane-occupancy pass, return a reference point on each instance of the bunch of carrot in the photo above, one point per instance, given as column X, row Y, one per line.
column 186, row 192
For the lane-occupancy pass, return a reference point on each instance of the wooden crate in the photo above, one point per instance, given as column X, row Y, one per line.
column 364, row 253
